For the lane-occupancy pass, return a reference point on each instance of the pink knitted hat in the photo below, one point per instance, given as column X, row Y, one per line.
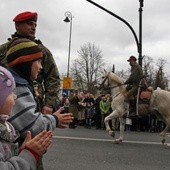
column 7, row 84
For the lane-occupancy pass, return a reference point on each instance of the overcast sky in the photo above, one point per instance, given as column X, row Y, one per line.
column 91, row 24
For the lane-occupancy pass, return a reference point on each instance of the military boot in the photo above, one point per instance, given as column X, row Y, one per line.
column 132, row 108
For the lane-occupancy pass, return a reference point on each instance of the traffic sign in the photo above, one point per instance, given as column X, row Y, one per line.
column 67, row 82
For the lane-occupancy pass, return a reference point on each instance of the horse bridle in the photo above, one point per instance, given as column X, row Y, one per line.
column 102, row 84
column 109, row 87
column 104, row 79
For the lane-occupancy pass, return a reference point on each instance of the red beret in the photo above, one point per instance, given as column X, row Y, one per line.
column 132, row 58
column 25, row 16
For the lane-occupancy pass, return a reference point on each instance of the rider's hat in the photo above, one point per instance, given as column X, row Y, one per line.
column 132, row 58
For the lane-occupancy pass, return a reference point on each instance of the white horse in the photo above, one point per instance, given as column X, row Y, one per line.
column 159, row 104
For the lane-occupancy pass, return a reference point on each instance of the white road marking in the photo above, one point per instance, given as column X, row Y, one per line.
column 106, row 140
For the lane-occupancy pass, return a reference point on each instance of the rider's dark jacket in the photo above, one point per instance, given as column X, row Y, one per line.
column 136, row 75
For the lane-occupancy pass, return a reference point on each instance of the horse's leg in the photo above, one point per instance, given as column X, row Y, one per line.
column 106, row 121
column 163, row 134
column 122, row 128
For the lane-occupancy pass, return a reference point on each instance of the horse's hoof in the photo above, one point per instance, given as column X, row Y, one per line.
column 112, row 134
column 118, row 141
column 163, row 141
column 167, row 145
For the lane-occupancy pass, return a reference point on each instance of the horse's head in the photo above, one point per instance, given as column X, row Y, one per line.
column 110, row 80
column 104, row 80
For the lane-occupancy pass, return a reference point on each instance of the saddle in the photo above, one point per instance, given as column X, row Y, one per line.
column 142, row 106
column 144, row 97
column 140, row 103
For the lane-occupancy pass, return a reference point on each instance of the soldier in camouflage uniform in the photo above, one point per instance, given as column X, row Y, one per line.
column 48, row 82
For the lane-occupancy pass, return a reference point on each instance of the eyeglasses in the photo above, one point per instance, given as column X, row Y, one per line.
column 6, row 79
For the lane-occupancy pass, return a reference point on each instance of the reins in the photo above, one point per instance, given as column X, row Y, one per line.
column 112, row 87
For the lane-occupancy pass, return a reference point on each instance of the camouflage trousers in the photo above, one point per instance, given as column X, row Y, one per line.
column 132, row 92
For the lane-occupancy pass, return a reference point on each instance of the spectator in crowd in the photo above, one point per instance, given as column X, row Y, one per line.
column 81, row 109
column 88, row 103
column 98, row 111
column 48, row 80
column 73, row 107
column 32, row 149
column 105, row 108
column 64, row 102
column 24, row 61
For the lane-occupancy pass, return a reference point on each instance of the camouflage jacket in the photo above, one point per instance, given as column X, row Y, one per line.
column 48, row 81
column 136, row 75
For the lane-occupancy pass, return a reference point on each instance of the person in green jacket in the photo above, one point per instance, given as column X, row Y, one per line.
column 105, row 109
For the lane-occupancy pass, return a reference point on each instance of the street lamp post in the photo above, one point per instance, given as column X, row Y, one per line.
column 138, row 42
column 69, row 18
column 140, row 32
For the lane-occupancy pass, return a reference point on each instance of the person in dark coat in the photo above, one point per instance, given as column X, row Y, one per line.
column 98, row 111
column 73, row 107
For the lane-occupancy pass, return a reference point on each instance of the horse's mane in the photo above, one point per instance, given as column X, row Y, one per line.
column 115, row 78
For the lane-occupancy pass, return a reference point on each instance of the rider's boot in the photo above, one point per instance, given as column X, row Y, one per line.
column 132, row 108
column 132, row 104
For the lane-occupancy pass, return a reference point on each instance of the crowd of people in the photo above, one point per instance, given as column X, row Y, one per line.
column 90, row 111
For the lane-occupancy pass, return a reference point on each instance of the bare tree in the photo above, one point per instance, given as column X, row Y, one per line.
column 88, row 66
column 148, row 70
column 78, row 81
column 160, row 79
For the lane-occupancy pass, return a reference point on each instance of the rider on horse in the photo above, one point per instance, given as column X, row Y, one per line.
column 133, row 84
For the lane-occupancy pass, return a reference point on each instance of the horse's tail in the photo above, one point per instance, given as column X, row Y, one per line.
column 150, row 89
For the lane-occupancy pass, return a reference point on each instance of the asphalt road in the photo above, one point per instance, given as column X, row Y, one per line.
column 91, row 149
